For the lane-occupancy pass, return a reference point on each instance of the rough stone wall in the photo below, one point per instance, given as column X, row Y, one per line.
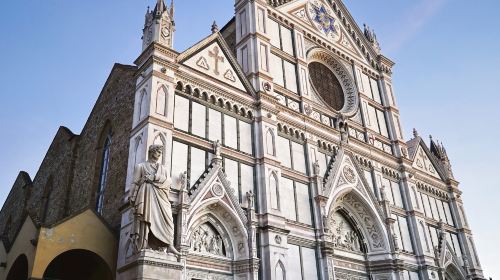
column 13, row 211
column 50, row 184
column 68, row 177
column 113, row 112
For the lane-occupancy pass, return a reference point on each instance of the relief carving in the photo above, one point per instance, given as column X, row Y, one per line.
column 206, row 240
column 343, row 236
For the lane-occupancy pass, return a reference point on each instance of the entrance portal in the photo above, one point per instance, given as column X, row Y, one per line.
column 78, row 265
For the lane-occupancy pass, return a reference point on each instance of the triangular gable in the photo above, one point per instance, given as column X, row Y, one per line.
column 447, row 257
column 343, row 173
column 345, row 182
column 423, row 161
column 213, row 184
column 320, row 17
column 212, row 57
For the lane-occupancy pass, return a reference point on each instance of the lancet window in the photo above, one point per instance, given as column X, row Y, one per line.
column 103, row 176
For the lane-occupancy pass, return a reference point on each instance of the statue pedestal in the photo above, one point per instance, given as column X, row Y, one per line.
column 151, row 265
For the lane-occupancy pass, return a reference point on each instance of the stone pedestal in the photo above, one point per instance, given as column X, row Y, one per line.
column 151, row 265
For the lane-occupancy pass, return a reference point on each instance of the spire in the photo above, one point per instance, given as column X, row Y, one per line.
column 172, row 10
column 159, row 8
column 415, row 133
column 215, row 28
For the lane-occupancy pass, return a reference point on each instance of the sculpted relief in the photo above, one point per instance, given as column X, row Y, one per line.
column 206, row 240
column 343, row 235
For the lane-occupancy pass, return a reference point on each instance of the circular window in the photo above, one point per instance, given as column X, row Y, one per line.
column 327, row 85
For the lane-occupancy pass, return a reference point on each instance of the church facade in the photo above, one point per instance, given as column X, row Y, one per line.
column 283, row 141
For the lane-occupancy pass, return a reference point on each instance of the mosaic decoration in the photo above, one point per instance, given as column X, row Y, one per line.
column 323, row 19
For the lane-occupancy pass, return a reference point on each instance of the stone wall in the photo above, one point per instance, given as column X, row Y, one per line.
column 68, row 177
column 13, row 210
column 113, row 112
column 50, row 184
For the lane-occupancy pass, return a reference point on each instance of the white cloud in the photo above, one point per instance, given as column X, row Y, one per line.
column 413, row 21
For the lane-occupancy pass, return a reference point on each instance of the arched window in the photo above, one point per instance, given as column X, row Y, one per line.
column 270, row 143
column 280, row 272
column 273, row 186
column 103, row 174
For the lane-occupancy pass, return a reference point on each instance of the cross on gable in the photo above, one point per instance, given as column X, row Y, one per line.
column 215, row 55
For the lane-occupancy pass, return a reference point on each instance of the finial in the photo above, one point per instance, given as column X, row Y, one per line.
column 430, row 137
column 148, row 9
column 172, row 9
column 215, row 28
column 415, row 133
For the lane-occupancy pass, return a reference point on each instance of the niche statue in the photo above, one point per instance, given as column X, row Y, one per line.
column 153, row 226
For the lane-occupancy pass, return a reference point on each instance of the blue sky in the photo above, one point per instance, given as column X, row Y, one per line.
column 56, row 55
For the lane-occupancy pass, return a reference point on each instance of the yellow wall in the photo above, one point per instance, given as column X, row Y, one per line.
column 84, row 231
column 22, row 245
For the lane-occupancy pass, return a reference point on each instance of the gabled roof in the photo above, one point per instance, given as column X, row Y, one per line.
column 204, row 187
column 213, row 57
column 418, row 153
column 350, row 33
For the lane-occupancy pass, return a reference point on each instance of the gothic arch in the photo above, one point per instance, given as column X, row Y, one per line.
column 346, row 187
column 452, row 272
column 279, row 271
column 365, row 217
column 274, row 190
column 225, row 218
column 352, row 238
column 161, row 100
column 270, row 142
column 102, row 160
column 219, row 228
column 142, row 105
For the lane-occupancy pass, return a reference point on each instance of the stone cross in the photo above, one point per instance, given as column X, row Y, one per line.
column 215, row 54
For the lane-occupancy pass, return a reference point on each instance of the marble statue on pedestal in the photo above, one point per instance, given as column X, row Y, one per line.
column 153, row 226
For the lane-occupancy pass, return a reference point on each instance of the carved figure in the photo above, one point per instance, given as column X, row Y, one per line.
column 207, row 241
column 153, row 226
column 316, row 168
column 217, row 148
column 250, row 198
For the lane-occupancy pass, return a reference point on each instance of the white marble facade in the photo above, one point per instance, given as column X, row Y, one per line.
column 298, row 189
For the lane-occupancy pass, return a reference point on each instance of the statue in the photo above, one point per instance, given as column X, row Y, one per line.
column 250, row 198
column 153, row 226
column 217, row 148
column 316, row 168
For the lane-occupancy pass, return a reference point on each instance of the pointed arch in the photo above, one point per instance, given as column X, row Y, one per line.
column 367, row 219
column 210, row 237
column 452, row 272
column 226, row 221
column 137, row 150
column 161, row 101
column 270, row 142
column 102, row 159
column 279, row 271
column 143, row 103
column 274, row 191
column 423, row 232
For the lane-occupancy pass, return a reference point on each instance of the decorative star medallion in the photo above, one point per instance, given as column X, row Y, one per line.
column 324, row 19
